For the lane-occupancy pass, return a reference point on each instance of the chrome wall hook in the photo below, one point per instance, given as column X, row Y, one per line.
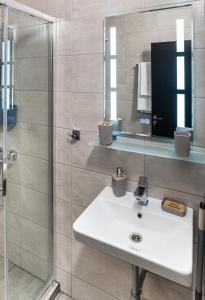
column 75, row 135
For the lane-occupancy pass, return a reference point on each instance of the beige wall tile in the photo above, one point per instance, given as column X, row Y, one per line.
column 28, row 261
column 167, row 18
column 31, row 41
column 106, row 7
column 84, row 291
column 114, row 6
column 131, row 186
column 34, row 238
column 176, row 175
column 28, row 204
column 199, row 122
column 64, row 279
column 62, row 146
column 60, row 9
column 198, row 24
column 103, row 271
column 131, row 118
column 63, row 252
column 157, row 288
column 14, row 229
column 104, row 160
column 159, row 193
column 64, row 45
column 19, row 19
column 85, row 30
column 32, row 106
column 63, row 73
column 88, row 7
column 29, row 139
column 199, row 66
column 145, row 22
column 76, row 212
column 78, row 110
column 30, row 172
column 87, row 185
column 133, row 47
column 87, row 111
column 62, row 296
column 63, row 109
column 63, row 219
column 87, row 73
column 1, row 234
column 15, row 252
column 63, row 182
column 31, row 74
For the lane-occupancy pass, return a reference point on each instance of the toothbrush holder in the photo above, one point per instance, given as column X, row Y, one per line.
column 105, row 132
column 182, row 143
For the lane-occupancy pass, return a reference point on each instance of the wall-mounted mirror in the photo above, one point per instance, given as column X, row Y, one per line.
column 148, row 71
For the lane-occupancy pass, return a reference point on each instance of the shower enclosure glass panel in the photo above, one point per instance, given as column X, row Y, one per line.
column 3, row 212
column 26, row 218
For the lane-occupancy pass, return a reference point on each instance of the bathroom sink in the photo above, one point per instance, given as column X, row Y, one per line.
column 158, row 242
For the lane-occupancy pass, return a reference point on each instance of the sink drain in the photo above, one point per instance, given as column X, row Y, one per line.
column 136, row 237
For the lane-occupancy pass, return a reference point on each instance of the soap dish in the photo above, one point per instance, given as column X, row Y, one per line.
column 174, row 206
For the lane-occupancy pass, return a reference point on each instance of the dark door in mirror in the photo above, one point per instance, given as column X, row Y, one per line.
column 171, row 106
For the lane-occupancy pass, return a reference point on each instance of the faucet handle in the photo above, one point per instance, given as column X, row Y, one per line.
column 143, row 182
column 141, row 191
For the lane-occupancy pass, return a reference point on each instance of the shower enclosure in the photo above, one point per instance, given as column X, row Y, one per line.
column 26, row 218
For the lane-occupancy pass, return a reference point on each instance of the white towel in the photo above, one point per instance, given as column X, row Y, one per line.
column 145, row 79
column 144, row 101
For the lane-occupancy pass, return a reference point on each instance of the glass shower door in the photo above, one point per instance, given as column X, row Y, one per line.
column 27, row 150
column 3, row 135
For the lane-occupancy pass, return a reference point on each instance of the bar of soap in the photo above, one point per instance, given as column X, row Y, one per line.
column 174, row 207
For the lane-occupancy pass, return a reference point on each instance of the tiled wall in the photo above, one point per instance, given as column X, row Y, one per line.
column 82, row 171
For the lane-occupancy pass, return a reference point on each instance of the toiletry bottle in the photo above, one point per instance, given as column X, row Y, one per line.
column 119, row 182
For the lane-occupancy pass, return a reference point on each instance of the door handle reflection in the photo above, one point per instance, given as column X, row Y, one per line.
column 2, row 178
column 155, row 119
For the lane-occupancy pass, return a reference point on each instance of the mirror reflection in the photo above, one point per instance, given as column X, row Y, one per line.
column 148, row 71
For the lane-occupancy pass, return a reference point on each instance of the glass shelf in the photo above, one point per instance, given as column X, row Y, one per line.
column 159, row 149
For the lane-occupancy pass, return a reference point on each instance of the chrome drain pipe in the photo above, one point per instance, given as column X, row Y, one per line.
column 138, row 277
column 200, row 252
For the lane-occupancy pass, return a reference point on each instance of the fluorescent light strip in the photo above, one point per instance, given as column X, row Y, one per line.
column 113, row 73
column 180, row 73
column 113, row 105
column 8, row 65
column 180, row 35
column 113, row 43
column 180, row 110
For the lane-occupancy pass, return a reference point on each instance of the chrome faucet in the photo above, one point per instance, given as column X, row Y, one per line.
column 141, row 191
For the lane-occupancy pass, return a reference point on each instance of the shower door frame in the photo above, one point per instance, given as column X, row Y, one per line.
column 51, row 288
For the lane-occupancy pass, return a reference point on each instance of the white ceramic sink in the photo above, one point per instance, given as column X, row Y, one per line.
column 167, row 240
